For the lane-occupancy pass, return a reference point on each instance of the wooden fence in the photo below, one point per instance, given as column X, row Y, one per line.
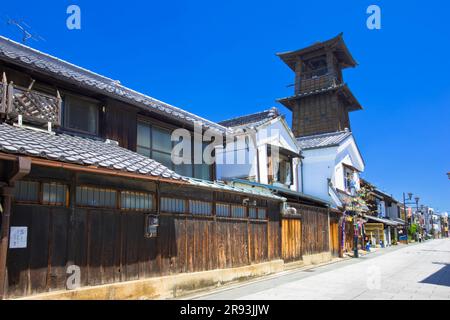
column 334, row 238
column 315, row 230
column 110, row 246
column 306, row 233
column 292, row 238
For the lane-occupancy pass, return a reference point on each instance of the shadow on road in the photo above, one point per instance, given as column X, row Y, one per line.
column 441, row 277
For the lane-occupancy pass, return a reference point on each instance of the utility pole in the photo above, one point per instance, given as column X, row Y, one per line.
column 355, row 238
column 406, row 217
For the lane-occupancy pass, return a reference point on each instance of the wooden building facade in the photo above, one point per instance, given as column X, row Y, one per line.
column 110, row 241
column 86, row 181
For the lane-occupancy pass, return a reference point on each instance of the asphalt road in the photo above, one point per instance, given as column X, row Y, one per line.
column 418, row 271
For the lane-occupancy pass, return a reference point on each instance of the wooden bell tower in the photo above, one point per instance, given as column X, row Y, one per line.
column 322, row 101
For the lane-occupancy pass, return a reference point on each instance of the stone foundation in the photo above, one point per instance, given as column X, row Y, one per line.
column 317, row 258
column 165, row 287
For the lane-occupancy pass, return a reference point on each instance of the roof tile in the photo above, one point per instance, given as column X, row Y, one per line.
column 323, row 140
column 61, row 147
column 17, row 53
column 254, row 119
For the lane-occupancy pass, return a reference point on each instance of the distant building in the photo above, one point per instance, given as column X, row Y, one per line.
column 444, row 225
column 384, row 223
column 433, row 223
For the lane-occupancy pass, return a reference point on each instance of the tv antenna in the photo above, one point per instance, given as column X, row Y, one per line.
column 25, row 29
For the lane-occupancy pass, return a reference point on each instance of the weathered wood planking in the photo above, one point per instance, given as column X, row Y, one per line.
column 349, row 235
column 334, row 238
column 118, row 125
column 291, row 239
column 315, row 230
column 109, row 246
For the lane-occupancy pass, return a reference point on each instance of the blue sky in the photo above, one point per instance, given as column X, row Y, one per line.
column 217, row 59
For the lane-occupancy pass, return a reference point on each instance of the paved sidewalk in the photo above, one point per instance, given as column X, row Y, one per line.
column 418, row 271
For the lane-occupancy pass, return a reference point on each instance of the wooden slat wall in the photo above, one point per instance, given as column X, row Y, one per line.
column 291, row 244
column 274, row 231
column 315, row 230
column 109, row 246
column 120, row 126
column 334, row 238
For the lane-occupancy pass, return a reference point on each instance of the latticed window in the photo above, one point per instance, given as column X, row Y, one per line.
column 252, row 213
column 54, row 194
column 201, row 208
column 237, row 211
column 173, row 205
column 222, row 210
column 27, row 191
column 262, row 213
column 96, row 197
column 139, row 201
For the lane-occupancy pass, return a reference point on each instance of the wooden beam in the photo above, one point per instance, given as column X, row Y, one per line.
column 23, row 168
column 90, row 169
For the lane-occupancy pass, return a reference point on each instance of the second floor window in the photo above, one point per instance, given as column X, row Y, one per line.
column 80, row 114
column 155, row 142
column 348, row 180
column 281, row 170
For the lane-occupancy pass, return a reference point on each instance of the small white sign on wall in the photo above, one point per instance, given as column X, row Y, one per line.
column 18, row 237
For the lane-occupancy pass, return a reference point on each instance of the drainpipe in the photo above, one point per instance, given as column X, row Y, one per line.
column 253, row 136
column 23, row 168
column 301, row 173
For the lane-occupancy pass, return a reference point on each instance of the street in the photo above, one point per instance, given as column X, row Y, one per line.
column 406, row 272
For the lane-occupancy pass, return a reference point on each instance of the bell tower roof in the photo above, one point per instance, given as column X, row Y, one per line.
column 336, row 45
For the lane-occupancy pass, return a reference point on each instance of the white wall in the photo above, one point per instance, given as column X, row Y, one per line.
column 227, row 165
column 275, row 133
column 318, row 167
column 392, row 211
column 326, row 164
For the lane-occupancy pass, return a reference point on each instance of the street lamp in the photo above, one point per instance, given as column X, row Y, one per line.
column 416, row 202
column 355, row 224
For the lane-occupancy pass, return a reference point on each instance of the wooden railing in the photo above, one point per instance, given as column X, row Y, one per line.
column 316, row 83
column 33, row 106
column 309, row 83
column 3, row 87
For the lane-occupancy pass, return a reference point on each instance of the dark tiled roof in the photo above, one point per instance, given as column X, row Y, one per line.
column 101, row 154
column 383, row 220
column 284, row 192
column 77, row 150
column 323, row 140
column 19, row 54
column 222, row 186
column 337, row 44
column 253, row 119
column 342, row 88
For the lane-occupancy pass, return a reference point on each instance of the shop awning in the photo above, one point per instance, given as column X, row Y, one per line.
column 384, row 221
